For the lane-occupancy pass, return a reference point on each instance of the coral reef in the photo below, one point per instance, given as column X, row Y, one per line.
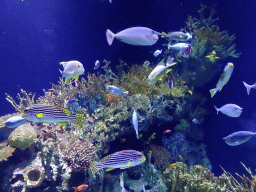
column 34, row 176
column 183, row 126
column 5, row 151
column 23, row 136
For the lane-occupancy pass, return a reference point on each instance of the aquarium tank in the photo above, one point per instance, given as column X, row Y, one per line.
column 127, row 96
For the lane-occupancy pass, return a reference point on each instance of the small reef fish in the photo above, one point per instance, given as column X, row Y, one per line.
column 71, row 101
column 116, row 90
column 180, row 157
column 110, row 1
column 230, row 110
column 135, row 123
column 134, row 36
column 151, row 138
column 167, row 131
column 177, row 36
column 178, row 46
column 228, row 70
column 238, row 138
column 190, row 92
column 196, row 121
column 72, row 70
column 171, row 83
column 14, row 122
column 248, row 87
column 122, row 159
column 173, row 165
column 212, row 56
column 49, row 114
column 80, row 187
column 122, row 182
column 97, row 65
column 146, row 65
column 157, row 53
column 159, row 71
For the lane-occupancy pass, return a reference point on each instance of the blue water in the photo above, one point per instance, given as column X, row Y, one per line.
column 36, row 35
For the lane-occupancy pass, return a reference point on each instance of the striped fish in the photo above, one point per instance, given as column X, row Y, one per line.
column 49, row 114
column 122, row 159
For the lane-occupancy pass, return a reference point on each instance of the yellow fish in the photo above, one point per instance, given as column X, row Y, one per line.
column 174, row 164
column 212, row 56
column 191, row 93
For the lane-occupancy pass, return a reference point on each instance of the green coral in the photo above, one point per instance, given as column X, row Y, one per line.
column 23, row 136
column 200, row 179
column 183, row 126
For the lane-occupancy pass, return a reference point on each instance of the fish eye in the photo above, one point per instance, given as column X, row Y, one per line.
column 78, row 66
column 26, row 110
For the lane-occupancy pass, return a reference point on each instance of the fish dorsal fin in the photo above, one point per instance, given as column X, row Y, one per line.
column 105, row 158
column 65, row 110
column 161, row 63
column 64, row 64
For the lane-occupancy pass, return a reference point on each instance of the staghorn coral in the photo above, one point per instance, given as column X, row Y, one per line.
column 25, row 100
column 79, row 154
column 23, row 136
column 5, row 151
column 200, row 179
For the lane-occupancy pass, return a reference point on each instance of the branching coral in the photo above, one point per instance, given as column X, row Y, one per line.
column 25, row 99
column 160, row 157
column 5, row 151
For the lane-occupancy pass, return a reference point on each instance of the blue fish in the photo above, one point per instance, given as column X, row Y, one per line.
column 71, row 101
column 97, row 65
column 238, row 138
column 14, row 122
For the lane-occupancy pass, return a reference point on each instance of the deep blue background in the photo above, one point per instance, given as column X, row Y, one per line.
column 35, row 35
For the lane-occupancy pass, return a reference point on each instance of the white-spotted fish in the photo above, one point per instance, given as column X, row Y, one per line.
column 248, row 87
column 135, row 123
column 49, row 114
column 122, row 159
column 228, row 70
column 134, row 36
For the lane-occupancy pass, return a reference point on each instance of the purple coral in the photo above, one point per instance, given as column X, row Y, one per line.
column 176, row 144
column 78, row 155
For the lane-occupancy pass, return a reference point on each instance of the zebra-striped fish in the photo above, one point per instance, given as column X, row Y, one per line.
column 49, row 114
column 122, row 159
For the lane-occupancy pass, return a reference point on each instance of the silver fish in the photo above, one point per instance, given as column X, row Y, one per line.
column 178, row 36
column 196, row 121
column 157, row 52
column 134, row 36
column 135, row 123
column 97, row 65
column 122, row 159
column 178, row 46
column 72, row 70
column 248, row 87
column 230, row 110
column 238, row 138
column 116, row 90
column 14, row 122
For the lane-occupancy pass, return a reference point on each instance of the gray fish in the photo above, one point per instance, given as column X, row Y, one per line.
column 230, row 110
column 116, row 90
column 135, row 123
column 238, row 138
column 134, row 36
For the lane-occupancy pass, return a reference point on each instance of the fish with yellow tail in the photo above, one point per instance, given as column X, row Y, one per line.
column 228, row 70
column 213, row 56
column 72, row 70
column 122, row 159
column 48, row 114
column 160, row 70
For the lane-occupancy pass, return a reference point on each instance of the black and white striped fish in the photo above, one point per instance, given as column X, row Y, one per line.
column 49, row 114
column 122, row 159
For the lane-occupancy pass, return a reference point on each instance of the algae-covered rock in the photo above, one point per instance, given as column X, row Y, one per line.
column 22, row 137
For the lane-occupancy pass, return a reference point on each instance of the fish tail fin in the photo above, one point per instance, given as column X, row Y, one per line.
column 79, row 120
column 169, row 45
column 110, row 36
column 213, row 91
column 93, row 166
column 208, row 56
column 126, row 93
column 248, row 87
column 216, row 109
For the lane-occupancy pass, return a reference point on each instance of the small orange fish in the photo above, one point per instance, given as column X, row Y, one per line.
column 123, row 140
column 180, row 157
column 80, row 187
column 167, row 131
column 174, row 164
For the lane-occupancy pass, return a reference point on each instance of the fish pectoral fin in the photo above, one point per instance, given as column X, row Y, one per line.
column 169, row 70
column 76, row 77
column 39, row 115
column 129, row 164
column 220, row 89
column 109, row 169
